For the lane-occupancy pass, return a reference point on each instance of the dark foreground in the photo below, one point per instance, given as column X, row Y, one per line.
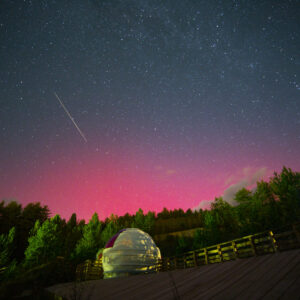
column 272, row 276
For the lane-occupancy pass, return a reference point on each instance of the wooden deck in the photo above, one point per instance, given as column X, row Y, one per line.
column 271, row 276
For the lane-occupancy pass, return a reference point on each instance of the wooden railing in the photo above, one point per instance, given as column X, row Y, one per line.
column 251, row 245
column 89, row 270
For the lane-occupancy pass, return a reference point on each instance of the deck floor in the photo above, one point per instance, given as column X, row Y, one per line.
column 272, row 276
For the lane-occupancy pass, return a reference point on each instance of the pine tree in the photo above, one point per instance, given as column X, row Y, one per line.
column 286, row 188
column 46, row 243
column 73, row 234
column 8, row 264
column 149, row 222
column 90, row 243
column 109, row 231
column 139, row 220
column 7, row 247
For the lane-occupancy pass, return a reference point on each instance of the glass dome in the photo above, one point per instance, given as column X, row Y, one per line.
column 130, row 251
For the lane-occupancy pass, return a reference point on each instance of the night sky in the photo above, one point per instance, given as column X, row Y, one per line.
column 180, row 101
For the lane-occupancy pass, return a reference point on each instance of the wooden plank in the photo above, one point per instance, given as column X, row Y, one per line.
column 262, row 278
column 123, row 288
column 204, row 284
column 288, row 284
column 188, row 282
column 293, row 291
column 233, row 281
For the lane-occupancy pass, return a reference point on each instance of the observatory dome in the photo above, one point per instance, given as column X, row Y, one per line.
column 130, row 251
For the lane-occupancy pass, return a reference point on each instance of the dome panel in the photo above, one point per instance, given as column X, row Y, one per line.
column 133, row 251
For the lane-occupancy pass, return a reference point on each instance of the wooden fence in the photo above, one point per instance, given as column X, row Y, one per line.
column 89, row 270
column 251, row 245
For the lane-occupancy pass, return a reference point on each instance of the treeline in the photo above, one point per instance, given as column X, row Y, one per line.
column 271, row 205
column 29, row 238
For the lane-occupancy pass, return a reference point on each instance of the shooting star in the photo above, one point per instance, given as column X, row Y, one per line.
column 71, row 118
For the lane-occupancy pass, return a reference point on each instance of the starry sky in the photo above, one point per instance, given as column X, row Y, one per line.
column 179, row 101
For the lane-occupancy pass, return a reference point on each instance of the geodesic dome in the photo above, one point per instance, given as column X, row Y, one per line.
column 130, row 251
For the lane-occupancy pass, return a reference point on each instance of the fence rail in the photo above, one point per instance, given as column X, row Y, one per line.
column 251, row 245
column 89, row 270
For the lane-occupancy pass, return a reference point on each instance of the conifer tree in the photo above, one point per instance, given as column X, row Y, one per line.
column 7, row 247
column 46, row 243
column 8, row 263
column 109, row 231
column 90, row 243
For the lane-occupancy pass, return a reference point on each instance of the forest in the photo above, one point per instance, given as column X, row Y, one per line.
column 34, row 244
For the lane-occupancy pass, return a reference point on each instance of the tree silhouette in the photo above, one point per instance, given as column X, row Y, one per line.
column 91, row 242
column 47, row 242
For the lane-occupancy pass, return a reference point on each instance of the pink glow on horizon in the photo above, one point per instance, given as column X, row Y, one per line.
column 110, row 184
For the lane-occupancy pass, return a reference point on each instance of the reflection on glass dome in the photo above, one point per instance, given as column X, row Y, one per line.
column 130, row 251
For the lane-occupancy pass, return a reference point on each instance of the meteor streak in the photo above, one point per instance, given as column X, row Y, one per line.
column 71, row 118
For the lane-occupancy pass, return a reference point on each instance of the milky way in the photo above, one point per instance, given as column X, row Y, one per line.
column 178, row 100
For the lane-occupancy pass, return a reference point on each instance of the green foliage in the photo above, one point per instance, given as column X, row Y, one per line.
column 8, row 263
column 144, row 222
column 23, row 219
column 9, row 271
column 201, row 239
column 243, row 196
column 10, row 213
column 89, row 244
column 125, row 221
column 138, row 221
column 46, row 244
column 73, row 233
column 184, row 244
column 149, row 222
column 6, row 247
column 286, row 188
column 168, row 245
column 110, row 230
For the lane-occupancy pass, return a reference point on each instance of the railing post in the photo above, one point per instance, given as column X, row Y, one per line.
column 273, row 241
column 169, row 264
column 195, row 259
column 235, row 252
column 206, row 256
column 161, row 265
column 175, row 263
column 87, row 269
column 220, row 253
column 157, row 266
column 251, row 239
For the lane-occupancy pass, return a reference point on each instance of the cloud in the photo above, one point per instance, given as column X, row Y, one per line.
column 164, row 171
column 229, row 180
column 249, row 179
column 204, row 204
column 170, row 172
column 9, row 200
column 158, row 168
column 230, row 192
